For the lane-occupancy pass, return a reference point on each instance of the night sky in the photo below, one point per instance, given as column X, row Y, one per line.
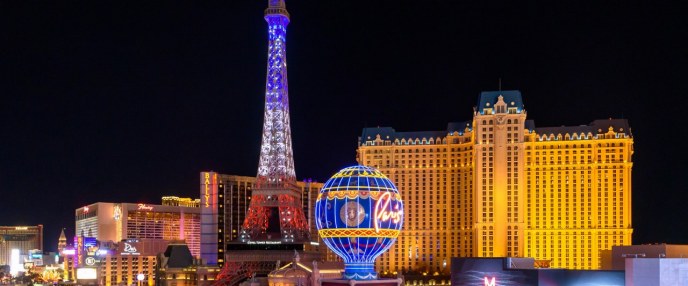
column 127, row 101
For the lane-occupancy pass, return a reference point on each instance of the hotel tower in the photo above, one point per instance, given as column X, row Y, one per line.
column 498, row 186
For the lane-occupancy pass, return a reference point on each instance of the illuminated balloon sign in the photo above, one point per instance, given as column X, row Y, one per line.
column 359, row 214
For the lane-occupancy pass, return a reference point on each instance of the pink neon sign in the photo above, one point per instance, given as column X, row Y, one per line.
column 145, row 207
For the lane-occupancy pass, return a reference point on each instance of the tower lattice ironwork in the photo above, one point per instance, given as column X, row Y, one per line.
column 275, row 212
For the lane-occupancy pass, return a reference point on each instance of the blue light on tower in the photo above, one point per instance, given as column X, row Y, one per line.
column 359, row 214
column 276, row 164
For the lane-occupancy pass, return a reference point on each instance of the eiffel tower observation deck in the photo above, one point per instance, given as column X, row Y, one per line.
column 275, row 224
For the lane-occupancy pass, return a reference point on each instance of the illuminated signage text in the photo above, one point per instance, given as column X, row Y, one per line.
column 145, row 207
column 79, row 250
column 129, row 250
column 207, row 190
column 207, row 194
column 383, row 214
column 264, row 242
column 489, row 282
column 90, row 261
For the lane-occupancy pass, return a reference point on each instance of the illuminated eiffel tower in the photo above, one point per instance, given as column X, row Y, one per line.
column 275, row 213
column 275, row 224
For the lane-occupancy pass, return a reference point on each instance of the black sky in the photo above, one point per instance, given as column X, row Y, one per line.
column 126, row 101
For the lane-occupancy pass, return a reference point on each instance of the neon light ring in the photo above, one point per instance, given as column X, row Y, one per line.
column 359, row 216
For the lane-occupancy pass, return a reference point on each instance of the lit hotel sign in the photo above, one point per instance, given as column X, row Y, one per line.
column 206, row 184
column 489, row 282
column 145, row 207
column 90, row 261
column 129, row 250
column 381, row 212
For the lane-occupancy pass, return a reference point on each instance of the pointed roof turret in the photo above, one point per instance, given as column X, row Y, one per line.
column 62, row 241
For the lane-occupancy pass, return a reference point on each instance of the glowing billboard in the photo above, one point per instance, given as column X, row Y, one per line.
column 86, row 273
column 15, row 266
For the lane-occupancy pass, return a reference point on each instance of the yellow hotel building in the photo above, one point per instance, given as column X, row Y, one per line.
column 498, row 186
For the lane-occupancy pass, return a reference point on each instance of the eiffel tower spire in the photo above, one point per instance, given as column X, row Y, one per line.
column 275, row 212
column 276, row 165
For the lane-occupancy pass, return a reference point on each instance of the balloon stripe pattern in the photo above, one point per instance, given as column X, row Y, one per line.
column 359, row 215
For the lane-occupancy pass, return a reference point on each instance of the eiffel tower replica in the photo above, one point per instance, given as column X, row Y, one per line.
column 275, row 226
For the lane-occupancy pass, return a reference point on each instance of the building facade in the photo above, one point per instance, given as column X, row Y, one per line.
column 177, row 201
column 224, row 203
column 117, row 263
column 130, row 258
column 120, row 221
column 22, row 239
column 113, row 263
column 497, row 186
column 520, row 271
column 656, row 271
column 617, row 257
column 177, row 267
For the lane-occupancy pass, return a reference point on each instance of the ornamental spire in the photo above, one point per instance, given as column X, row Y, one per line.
column 276, row 166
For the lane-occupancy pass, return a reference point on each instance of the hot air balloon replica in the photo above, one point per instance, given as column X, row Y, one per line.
column 359, row 214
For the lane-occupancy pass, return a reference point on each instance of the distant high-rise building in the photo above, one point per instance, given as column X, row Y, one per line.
column 498, row 186
column 21, row 238
column 120, row 221
column 117, row 263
